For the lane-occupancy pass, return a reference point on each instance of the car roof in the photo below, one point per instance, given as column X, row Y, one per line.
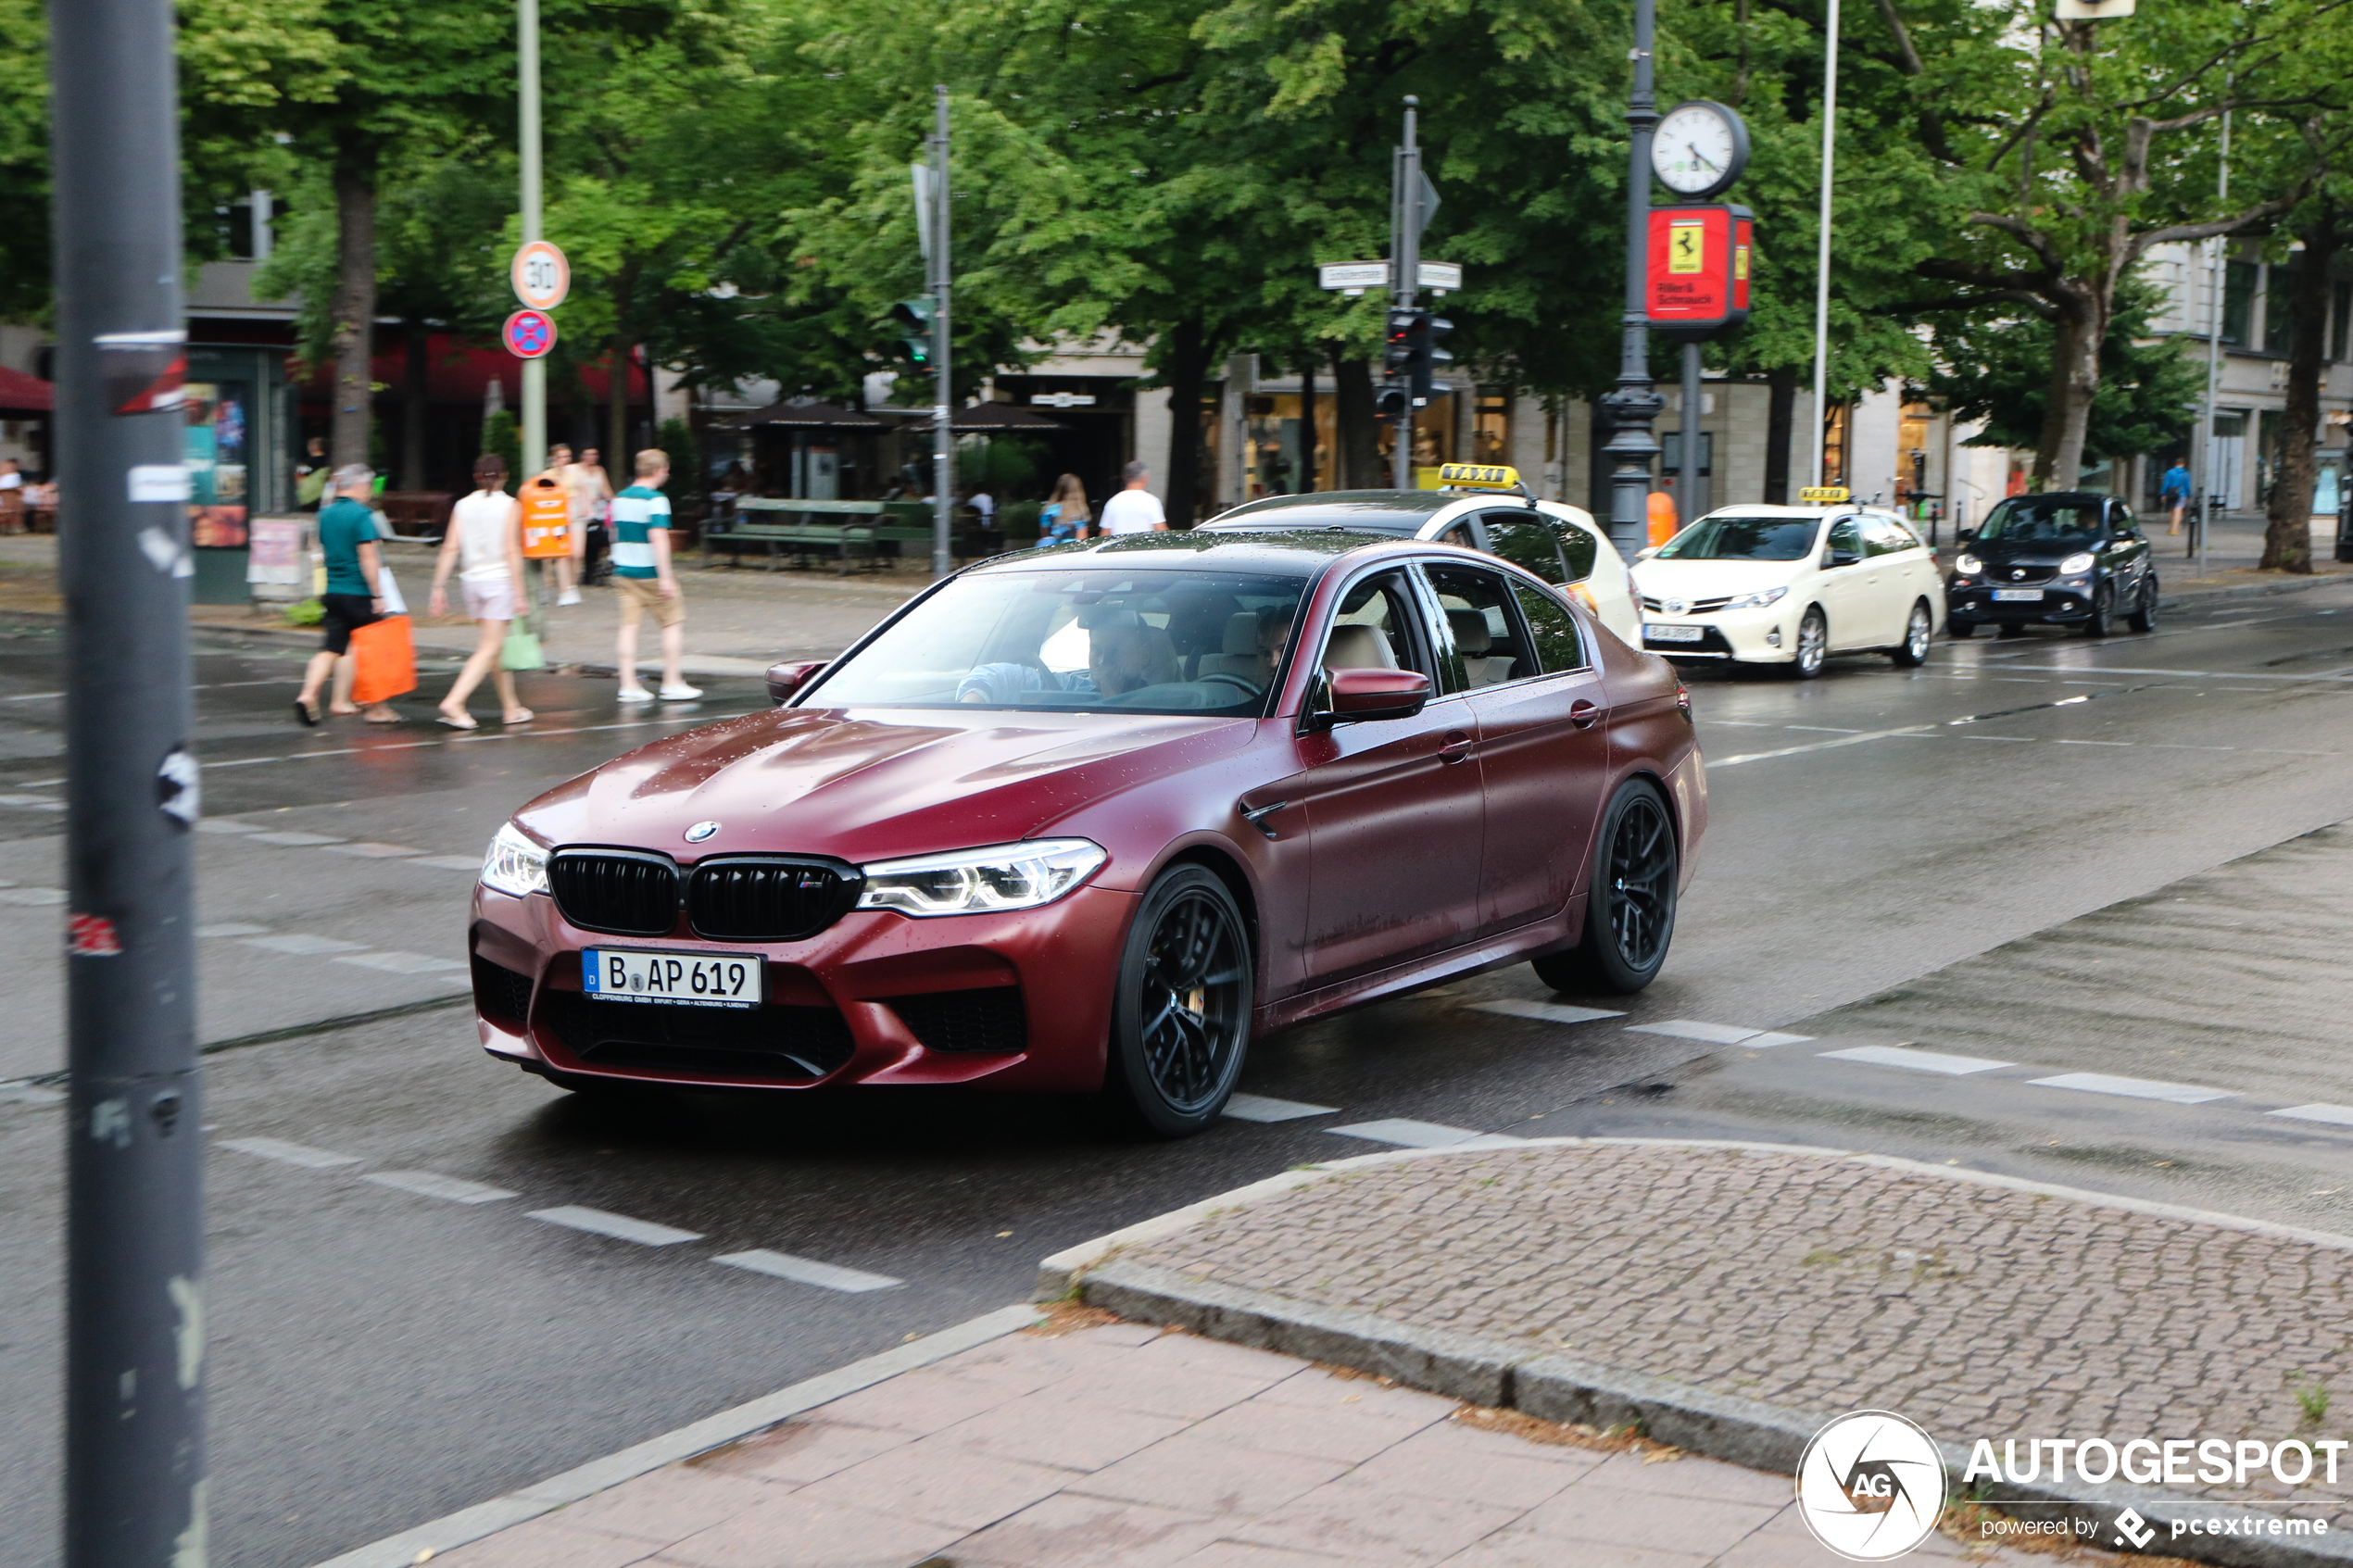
column 1269, row 549
column 1759, row 509
column 1382, row 511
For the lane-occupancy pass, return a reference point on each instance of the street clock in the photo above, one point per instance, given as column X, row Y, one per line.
column 1699, row 149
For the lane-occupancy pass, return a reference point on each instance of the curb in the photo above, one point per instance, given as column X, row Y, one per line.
column 1567, row 1389
column 2199, row 598
column 454, row 1530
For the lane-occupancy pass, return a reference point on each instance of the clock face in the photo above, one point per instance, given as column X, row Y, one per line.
column 1698, row 148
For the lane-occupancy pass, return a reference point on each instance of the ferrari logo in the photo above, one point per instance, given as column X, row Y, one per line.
column 1686, row 248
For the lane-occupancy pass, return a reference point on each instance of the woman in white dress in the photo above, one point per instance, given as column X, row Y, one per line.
column 484, row 546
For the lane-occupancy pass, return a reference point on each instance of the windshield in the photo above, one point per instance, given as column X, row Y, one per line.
column 1139, row 641
column 2044, row 519
column 1735, row 538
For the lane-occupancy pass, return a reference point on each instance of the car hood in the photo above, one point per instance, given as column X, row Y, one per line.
column 2035, row 552
column 867, row 784
column 1714, row 578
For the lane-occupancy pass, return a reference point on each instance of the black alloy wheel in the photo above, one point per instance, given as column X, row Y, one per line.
column 1920, row 633
column 1812, row 643
column 1180, row 1020
column 2103, row 617
column 2144, row 616
column 1630, row 906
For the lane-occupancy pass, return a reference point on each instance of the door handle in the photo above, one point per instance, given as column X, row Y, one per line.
column 1582, row 713
column 1457, row 747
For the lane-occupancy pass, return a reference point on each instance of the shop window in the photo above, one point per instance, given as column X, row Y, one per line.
column 2238, row 301
column 2279, row 311
column 1834, row 444
column 1491, row 429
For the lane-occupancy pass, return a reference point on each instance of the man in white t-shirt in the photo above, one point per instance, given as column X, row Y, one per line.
column 1134, row 509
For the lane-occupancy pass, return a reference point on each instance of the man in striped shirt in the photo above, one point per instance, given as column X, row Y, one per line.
column 641, row 573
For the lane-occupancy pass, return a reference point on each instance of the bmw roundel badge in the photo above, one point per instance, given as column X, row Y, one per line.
column 701, row 830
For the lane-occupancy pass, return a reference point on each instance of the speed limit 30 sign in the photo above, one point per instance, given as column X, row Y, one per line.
column 541, row 275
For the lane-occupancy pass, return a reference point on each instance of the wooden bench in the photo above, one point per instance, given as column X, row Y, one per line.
column 801, row 529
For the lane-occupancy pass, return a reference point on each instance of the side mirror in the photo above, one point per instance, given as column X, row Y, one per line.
column 784, row 680
column 1379, row 693
column 1965, row 536
column 1834, row 558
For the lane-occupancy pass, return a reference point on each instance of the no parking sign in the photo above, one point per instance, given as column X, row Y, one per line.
column 529, row 334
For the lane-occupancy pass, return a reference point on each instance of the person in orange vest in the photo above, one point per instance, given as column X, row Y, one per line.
column 1662, row 516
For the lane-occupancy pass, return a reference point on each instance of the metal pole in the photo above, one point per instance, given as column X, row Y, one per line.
column 1405, row 250
column 1822, row 247
column 1694, row 400
column 534, row 372
column 1635, row 404
column 943, row 440
column 134, row 1492
column 2217, row 276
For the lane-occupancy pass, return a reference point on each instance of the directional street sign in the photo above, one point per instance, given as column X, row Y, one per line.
column 541, row 275
column 528, row 334
column 1355, row 277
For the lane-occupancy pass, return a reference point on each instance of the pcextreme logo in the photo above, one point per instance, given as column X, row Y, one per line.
column 1871, row 1486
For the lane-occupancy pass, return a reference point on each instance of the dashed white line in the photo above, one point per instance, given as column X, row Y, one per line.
column 1716, row 1033
column 2334, row 1115
column 1546, row 1012
column 403, row 964
column 1261, row 1108
column 2134, row 1088
column 300, row 1154
column 808, row 1270
column 293, row 840
column 621, row 1227
column 231, row 928
column 425, row 1183
column 1416, row 1134
column 450, row 862
column 374, row 851
column 303, row 945
column 1920, row 1061
column 32, row 802
column 32, row 897
column 226, row 825
column 30, row 1094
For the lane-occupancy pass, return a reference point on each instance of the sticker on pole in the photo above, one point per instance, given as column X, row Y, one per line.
column 541, row 275
column 528, row 334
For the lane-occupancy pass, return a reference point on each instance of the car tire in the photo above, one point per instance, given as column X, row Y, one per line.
column 1919, row 636
column 2144, row 616
column 1181, row 1007
column 2103, row 617
column 1629, row 900
column 1813, row 647
column 1955, row 627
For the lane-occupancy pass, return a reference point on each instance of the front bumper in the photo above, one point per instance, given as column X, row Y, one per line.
column 1019, row 1000
column 2061, row 602
column 1745, row 636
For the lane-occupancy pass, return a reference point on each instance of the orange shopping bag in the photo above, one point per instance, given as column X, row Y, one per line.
column 385, row 660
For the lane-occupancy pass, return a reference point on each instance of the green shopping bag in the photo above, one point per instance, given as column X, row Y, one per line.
column 522, row 648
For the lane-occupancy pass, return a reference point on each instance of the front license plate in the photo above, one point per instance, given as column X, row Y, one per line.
column 703, row 980
column 2017, row 595
column 1674, row 634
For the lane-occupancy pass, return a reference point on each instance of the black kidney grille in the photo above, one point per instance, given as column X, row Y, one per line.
column 627, row 895
column 500, row 992
column 771, row 1044
column 991, row 1019
column 767, row 898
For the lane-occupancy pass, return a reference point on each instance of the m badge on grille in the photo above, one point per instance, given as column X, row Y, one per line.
column 701, row 832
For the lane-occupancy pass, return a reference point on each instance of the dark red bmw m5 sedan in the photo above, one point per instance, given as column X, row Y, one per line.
column 1093, row 816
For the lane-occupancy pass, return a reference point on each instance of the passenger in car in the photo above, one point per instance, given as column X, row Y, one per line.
column 1273, row 635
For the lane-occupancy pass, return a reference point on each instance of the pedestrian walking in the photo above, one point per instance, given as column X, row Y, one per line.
column 1134, row 509
column 566, row 567
column 982, row 503
column 592, row 499
column 641, row 571
column 1065, row 516
column 485, row 547
column 353, row 598
column 310, row 474
column 2175, row 490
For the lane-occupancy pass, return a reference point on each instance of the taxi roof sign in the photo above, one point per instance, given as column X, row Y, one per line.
column 1479, row 476
column 1824, row 495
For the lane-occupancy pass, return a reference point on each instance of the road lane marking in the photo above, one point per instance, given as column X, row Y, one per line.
column 303, row 945
column 1546, row 1012
column 1716, row 1033
column 1826, row 729
column 30, row 1094
column 621, row 1227
column 450, row 862
column 32, row 897
column 1920, row 1061
column 425, row 1183
column 404, row 963
column 32, row 802
column 368, row 851
column 686, row 719
column 1416, row 1134
column 231, row 928
column 293, row 840
column 2334, row 1115
column 300, row 1154
column 2134, row 1088
column 2092, row 743
column 808, row 1270
column 226, row 825
column 1261, row 1108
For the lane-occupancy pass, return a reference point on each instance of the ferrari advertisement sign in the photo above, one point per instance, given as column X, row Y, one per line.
column 1696, row 283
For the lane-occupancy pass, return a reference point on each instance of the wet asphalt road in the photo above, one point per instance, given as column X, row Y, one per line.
column 382, row 1356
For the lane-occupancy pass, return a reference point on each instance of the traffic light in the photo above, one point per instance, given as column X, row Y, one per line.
column 1389, row 403
column 1426, row 356
column 913, row 317
column 1397, row 354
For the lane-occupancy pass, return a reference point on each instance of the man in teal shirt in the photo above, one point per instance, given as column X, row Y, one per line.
column 643, row 578
column 348, row 540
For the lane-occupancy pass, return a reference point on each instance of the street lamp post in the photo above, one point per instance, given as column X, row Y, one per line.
column 534, row 372
column 1634, row 404
column 943, row 439
column 1822, row 248
column 1405, row 250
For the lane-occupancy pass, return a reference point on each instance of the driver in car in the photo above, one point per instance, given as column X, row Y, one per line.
column 1125, row 655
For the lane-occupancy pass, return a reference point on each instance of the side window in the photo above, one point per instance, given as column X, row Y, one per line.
column 1845, row 536
column 1552, row 630
column 1882, row 538
column 1522, row 539
column 1481, row 643
column 1376, row 628
column 1459, row 534
column 1576, row 548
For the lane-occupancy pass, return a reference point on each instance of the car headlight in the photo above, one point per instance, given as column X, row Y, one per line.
column 514, row 865
column 2078, row 563
column 964, row 882
column 1968, row 566
column 1758, row 600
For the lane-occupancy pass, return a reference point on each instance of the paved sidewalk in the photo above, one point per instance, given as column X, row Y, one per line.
column 1120, row 1446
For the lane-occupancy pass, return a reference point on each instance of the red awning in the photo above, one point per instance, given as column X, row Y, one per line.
column 21, row 394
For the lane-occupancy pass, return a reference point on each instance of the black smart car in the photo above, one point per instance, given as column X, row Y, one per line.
column 2067, row 558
